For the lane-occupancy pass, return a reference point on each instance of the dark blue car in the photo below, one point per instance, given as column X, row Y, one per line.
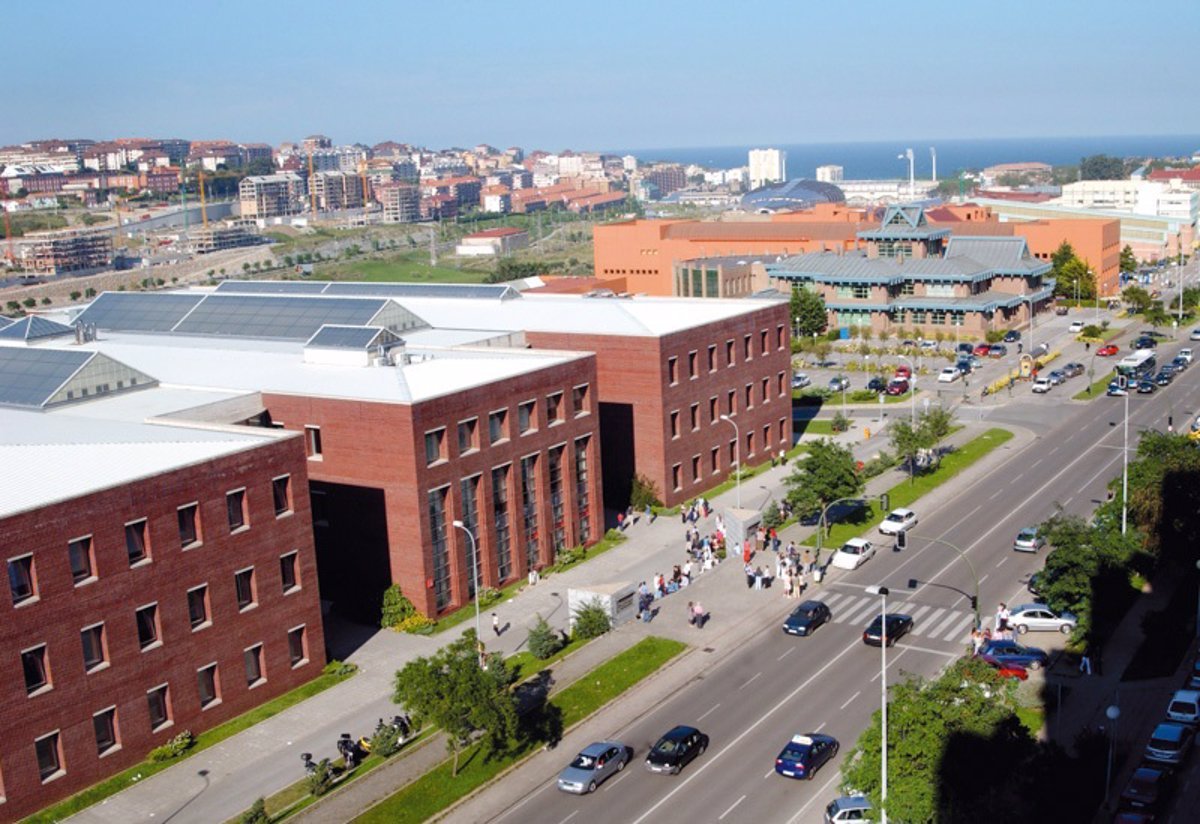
column 1010, row 652
column 805, row 754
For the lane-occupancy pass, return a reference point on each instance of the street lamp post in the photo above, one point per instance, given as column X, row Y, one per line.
column 971, row 566
column 882, row 592
column 1125, row 466
column 912, row 385
column 1113, row 713
column 475, row 579
column 737, row 458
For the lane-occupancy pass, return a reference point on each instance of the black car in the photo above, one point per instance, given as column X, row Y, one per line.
column 1154, row 333
column 1163, row 378
column 1147, row 788
column 1072, row 370
column 1146, row 387
column 898, row 625
column 805, row 618
column 877, row 384
column 965, row 349
column 1012, row 336
column 1145, row 343
column 675, row 749
column 1179, row 364
column 909, row 343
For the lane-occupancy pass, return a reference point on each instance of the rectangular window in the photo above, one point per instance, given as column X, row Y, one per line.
column 783, row 430
column 297, row 646
column 733, row 455
column 498, row 426
column 312, row 441
column 579, row 400
column 558, row 533
column 136, row 544
column 780, row 385
column 243, row 584
column 779, row 336
column 288, row 575
column 158, row 701
column 435, row 444
column 749, row 396
column 672, row 371
column 765, row 392
column 20, row 579
column 197, row 599
column 526, row 417
column 104, row 724
column 767, row 438
column 147, row 626
column 714, row 460
column 436, row 501
column 712, row 409
column 49, row 756
column 281, row 494
column 729, row 353
column 749, row 443
column 695, row 410
column 675, row 424
column 712, row 357
column 252, row 658
column 208, row 685
column 747, row 352
column 79, row 551
column 189, row 525
column 529, row 508
column 582, row 493
column 692, row 364
column 94, row 653
column 500, row 519
column 235, row 506
column 468, row 436
column 469, row 498
column 676, row 477
column 554, row 408
column 731, row 402
column 37, row 676
column 695, row 468
column 762, row 342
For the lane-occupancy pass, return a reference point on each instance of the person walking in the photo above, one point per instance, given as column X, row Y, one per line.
column 697, row 615
column 496, row 623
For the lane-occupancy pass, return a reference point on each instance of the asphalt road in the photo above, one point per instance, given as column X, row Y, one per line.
column 777, row 685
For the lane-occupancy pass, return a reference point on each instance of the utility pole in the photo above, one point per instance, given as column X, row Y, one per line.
column 433, row 244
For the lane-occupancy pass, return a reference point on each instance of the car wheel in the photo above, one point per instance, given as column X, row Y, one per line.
column 1034, row 666
column 620, row 765
column 675, row 771
column 1022, row 629
column 591, row 788
column 1065, row 629
column 700, row 751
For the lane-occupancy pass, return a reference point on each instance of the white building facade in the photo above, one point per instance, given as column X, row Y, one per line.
column 767, row 166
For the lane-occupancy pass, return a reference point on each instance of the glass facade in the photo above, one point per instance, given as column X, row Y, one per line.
column 529, row 508
column 470, row 519
column 558, row 533
column 582, row 499
column 441, row 552
column 500, row 520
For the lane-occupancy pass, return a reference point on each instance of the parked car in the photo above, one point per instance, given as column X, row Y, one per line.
column 1028, row 540
column 908, row 343
column 853, row 554
column 897, row 386
column 1169, row 743
column 1040, row 618
column 903, row 371
column 1057, row 376
column 1163, row 378
column 949, row 375
column 1186, row 354
column 1148, row 787
column 1195, row 335
column 1006, row 670
column 929, row 344
column 1061, row 310
column 594, row 764
column 1179, row 364
column 1184, row 707
column 676, row 749
column 839, row 383
column 848, row 808
column 1146, row 387
column 805, row 754
column 1073, row 369
column 1108, row 350
column 964, row 348
column 1011, row 336
column 800, row 380
column 1144, row 343
column 897, row 521
column 1012, row 653
column 805, row 618
column 1042, row 385
column 997, row 350
column 898, row 625
column 877, row 384
column 982, row 350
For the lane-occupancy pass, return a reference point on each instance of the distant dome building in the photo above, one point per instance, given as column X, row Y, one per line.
column 791, row 195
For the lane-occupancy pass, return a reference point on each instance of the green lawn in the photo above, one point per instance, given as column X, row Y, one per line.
column 438, row 789
column 402, row 269
column 1096, row 390
column 905, row 493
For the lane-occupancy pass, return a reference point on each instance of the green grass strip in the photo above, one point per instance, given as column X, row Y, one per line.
column 125, row 779
column 1096, row 390
column 438, row 789
column 904, row 494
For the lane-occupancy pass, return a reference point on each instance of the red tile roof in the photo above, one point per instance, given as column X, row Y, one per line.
column 504, row 231
column 1172, row 174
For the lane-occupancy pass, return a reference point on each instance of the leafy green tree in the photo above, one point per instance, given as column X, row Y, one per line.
column 452, row 691
column 396, row 607
column 591, row 620
column 320, row 780
column 1075, row 273
column 1062, row 255
column 808, row 312
column 257, row 814
column 543, row 641
column 1156, row 315
column 824, row 475
column 1128, row 260
column 1137, row 298
column 936, row 423
column 907, row 441
column 1101, row 167
column 643, row 493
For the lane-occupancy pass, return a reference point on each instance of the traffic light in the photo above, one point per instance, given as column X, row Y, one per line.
column 974, row 603
column 901, row 540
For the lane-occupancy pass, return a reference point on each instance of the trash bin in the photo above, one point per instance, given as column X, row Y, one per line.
column 866, row 432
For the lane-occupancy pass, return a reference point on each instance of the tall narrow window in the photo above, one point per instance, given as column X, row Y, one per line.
column 529, row 508
column 436, row 500
column 729, row 353
column 94, row 653
column 672, row 371
column 158, row 701
column 675, row 424
column 288, row 575
column 762, row 342
column 695, row 412
column 469, row 496
column 189, row 525
column 312, row 441
column 435, row 445
column 243, row 583
column 582, row 492
column 712, row 357
column 79, row 551
column 208, row 686
column 468, row 438
column 252, row 658
column 747, row 352
column 297, row 646
column 676, row 476
column 197, row 599
column 104, row 724
column 235, row 506
column 554, row 406
column 498, row 426
column 579, row 400
column 558, row 532
column 526, row 417
column 501, row 522
column 692, row 364
column 147, row 626
column 37, row 676
column 20, row 579
column 281, row 494
column 49, row 756
column 136, row 545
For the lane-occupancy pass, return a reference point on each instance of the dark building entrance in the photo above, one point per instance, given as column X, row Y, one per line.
column 350, row 533
column 617, row 459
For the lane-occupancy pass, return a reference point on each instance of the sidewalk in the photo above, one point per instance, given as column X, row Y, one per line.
column 221, row 782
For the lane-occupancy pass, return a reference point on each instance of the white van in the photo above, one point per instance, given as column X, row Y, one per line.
column 1185, row 707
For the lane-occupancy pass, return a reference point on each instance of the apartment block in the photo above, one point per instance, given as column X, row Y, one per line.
column 337, row 190
column 216, row 238
column 401, row 202
column 267, row 196
column 65, row 252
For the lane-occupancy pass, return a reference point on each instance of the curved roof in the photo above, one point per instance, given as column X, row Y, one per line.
column 792, row 195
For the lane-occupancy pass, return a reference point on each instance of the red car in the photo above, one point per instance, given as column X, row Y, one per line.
column 897, row 386
column 982, row 350
column 1006, row 670
column 902, row 371
column 1107, row 351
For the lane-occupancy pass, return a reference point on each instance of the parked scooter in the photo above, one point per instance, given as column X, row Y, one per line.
column 352, row 751
column 400, row 723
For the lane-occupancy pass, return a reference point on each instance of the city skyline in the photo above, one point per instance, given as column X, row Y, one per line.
column 638, row 76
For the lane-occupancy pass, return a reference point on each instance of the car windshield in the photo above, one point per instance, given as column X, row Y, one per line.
column 666, row 746
column 1027, row 535
column 584, row 762
column 1164, row 743
column 895, row 517
column 850, row 549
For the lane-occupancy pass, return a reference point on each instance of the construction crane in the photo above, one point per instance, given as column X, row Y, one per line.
column 203, row 209
column 312, row 191
column 362, row 173
column 12, row 256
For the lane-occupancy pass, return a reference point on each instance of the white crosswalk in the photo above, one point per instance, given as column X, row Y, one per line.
column 928, row 621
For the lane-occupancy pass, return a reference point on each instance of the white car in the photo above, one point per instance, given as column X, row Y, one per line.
column 1195, row 334
column 1042, row 385
column 1040, row 618
column 1076, row 326
column 800, row 380
column 949, row 375
column 897, row 521
column 1186, row 354
column 853, row 554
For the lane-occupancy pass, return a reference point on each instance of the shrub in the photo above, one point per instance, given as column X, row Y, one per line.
column 840, row 423
column 76, row 295
column 396, row 607
column 994, row 335
column 257, row 814
column 543, row 641
column 591, row 621
column 386, row 741
column 879, row 464
column 643, row 493
column 414, row 623
column 340, row 668
column 489, row 596
column 320, row 779
column 174, row 748
column 568, row 557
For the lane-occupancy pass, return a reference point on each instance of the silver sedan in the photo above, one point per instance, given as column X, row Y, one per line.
column 592, row 766
column 1040, row 618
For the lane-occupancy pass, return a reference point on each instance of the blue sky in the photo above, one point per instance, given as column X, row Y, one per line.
column 599, row 75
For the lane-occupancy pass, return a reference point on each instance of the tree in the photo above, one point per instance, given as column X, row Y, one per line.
column 591, row 620
column 543, row 641
column 1128, row 261
column 257, row 814
column 1101, row 167
column 808, row 312
column 824, row 475
column 643, row 493
column 1137, row 298
column 1156, row 316
column 1075, row 272
column 396, row 607
column 1061, row 256
column 452, row 691
column 909, row 440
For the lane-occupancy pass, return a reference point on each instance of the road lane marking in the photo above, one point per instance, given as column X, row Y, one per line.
column 984, row 578
column 849, row 700
column 568, row 818
column 770, row 773
column 931, row 651
column 608, row 785
column 721, row 817
column 892, row 660
column 858, row 612
column 783, row 702
column 1001, row 562
column 752, row 680
column 786, row 654
column 707, row 713
column 945, row 623
column 928, row 625
column 819, row 794
column 916, row 616
column 959, row 628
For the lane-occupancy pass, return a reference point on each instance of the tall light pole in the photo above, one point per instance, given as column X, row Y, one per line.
column 1179, row 274
column 1125, row 465
column 882, row 592
column 475, row 578
column 912, row 180
column 737, row 458
column 971, row 566
column 1113, row 713
column 912, row 385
